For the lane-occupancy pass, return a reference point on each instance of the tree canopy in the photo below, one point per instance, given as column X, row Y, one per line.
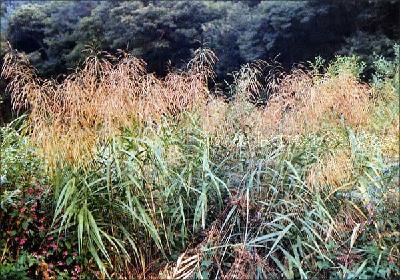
column 165, row 33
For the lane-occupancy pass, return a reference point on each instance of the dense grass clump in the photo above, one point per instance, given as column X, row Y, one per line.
column 141, row 177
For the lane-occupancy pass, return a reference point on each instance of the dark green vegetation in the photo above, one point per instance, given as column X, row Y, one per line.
column 114, row 172
column 55, row 33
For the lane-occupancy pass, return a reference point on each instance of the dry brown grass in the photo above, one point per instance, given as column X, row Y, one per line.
column 300, row 104
column 69, row 119
column 334, row 170
column 243, row 266
column 303, row 104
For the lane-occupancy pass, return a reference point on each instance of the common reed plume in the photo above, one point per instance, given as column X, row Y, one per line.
column 305, row 104
column 222, row 118
column 69, row 119
column 333, row 171
column 299, row 102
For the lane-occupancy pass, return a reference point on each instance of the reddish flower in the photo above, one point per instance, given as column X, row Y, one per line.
column 54, row 246
column 77, row 269
column 22, row 241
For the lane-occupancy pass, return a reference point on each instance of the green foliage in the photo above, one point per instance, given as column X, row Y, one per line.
column 351, row 65
column 165, row 33
column 144, row 195
column 19, row 164
column 26, row 237
column 26, row 28
column 277, row 217
column 386, row 69
column 17, row 270
column 365, row 44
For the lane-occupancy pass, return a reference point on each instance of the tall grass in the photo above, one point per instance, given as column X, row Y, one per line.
column 70, row 118
column 144, row 197
column 159, row 178
column 315, row 183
